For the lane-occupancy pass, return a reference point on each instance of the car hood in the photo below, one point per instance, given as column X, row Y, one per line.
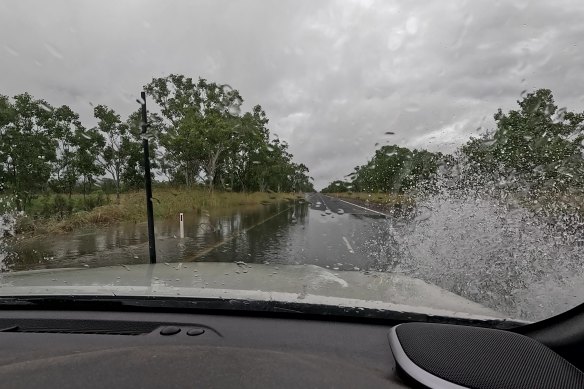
column 308, row 284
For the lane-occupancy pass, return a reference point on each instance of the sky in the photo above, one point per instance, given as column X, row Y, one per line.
column 332, row 76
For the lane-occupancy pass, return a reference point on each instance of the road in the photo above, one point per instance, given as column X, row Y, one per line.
column 327, row 232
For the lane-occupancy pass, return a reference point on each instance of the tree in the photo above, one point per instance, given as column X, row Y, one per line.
column 201, row 120
column 133, row 174
column 65, row 126
column 396, row 169
column 118, row 145
column 338, row 186
column 208, row 139
column 27, row 146
column 537, row 146
column 89, row 144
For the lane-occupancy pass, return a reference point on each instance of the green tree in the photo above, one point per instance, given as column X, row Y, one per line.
column 118, row 144
column 89, row 144
column 208, row 139
column 133, row 174
column 538, row 146
column 338, row 186
column 27, row 146
column 396, row 169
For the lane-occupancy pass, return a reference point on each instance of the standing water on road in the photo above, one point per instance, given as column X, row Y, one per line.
column 127, row 243
column 497, row 254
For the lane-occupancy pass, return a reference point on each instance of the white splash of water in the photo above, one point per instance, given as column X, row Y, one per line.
column 492, row 250
column 8, row 219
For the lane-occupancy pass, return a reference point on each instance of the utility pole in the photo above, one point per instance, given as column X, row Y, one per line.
column 148, row 180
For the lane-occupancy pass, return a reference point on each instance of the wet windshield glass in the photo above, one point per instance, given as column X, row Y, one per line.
column 424, row 154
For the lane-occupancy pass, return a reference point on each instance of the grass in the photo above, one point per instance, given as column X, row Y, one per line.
column 167, row 202
column 385, row 199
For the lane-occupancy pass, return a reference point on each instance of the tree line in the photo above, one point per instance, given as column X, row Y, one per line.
column 392, row 169
column 537, row 149
column 197, row 132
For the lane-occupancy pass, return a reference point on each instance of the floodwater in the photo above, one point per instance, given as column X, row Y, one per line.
column 508, row 262
column 287, row 233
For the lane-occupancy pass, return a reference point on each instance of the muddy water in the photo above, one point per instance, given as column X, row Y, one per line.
column 127, row 243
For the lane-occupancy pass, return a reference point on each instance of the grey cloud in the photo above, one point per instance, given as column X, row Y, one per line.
column 333, row 76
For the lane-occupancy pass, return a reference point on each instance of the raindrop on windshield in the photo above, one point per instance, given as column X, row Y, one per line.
column 54, row 52
column 11, row 51
column 45, row 106
column 560, row 115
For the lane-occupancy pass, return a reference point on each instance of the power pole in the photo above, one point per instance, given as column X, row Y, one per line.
column 148, row 180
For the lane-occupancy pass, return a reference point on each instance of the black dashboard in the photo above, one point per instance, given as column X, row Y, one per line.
column 90, row 349
column 56, row 349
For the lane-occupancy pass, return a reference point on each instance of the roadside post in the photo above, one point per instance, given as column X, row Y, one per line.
column 182, row 225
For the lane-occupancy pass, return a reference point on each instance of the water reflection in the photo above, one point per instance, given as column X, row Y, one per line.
column 127, row 243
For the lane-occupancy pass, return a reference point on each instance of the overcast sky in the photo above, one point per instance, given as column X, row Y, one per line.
column 333, row 76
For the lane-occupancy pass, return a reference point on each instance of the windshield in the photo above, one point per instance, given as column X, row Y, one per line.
column 411, row 155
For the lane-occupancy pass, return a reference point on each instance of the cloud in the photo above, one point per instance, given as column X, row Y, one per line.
column 333, row 76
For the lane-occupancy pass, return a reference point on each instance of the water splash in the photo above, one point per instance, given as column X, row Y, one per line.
column 8, row 219
column 490, row 246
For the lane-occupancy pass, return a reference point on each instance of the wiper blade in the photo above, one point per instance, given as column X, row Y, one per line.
column 240, row 307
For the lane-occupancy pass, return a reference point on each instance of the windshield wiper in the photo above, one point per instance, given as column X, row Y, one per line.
column 269, row 308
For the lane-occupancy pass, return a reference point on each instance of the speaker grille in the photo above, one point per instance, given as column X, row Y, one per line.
column 481, row 358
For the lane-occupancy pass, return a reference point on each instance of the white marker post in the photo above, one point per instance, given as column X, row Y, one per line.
column 182, row 225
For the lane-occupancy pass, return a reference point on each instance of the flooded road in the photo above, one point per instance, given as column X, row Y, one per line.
column 512, row 264
column 322, row 231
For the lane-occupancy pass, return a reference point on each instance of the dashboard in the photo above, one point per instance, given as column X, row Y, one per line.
column 56, row 349
column 90, row 349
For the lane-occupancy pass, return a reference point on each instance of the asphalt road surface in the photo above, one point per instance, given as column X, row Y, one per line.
column 326, row 231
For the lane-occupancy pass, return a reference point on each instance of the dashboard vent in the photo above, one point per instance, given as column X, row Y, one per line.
column 56, row 326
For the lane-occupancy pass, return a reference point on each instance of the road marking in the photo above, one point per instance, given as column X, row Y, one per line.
column 348, row 245
column 324, row 203
column 358, row 206
column 206, row 251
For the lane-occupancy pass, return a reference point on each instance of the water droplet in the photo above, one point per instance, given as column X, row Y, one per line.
column 412, row 25
column 45, row 106
column 560, row 115
column 11, row 51
column 53, row 51
column 234, row 109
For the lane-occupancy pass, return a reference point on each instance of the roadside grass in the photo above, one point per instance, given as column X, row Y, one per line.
column 385, row 199
column 168, row 202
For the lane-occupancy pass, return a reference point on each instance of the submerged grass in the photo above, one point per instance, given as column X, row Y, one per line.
column 167, row 202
